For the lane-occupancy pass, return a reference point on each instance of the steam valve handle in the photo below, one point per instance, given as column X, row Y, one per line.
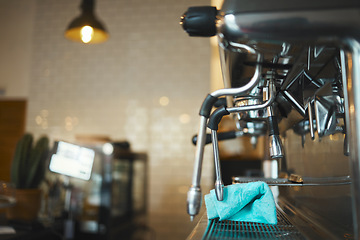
column 200, row 21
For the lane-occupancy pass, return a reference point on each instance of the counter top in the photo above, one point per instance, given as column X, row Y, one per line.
column 200, row 228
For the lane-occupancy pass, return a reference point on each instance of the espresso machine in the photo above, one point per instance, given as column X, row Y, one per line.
column 291, row 71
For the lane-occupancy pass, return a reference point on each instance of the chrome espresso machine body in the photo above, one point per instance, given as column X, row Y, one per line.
column 291, row 71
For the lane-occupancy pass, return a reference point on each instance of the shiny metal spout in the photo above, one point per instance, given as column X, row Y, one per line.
column 219, row 185
column 194, row 198
column 194, row 194
column 219, row 190
column 276, row 149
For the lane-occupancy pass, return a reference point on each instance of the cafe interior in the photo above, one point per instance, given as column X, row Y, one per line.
column 138, row 87
column 100, row 103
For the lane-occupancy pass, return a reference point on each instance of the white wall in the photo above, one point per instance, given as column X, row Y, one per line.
column 16, row 21
column 114, row 88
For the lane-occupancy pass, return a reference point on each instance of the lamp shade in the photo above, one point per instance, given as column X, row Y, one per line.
column 86, row 28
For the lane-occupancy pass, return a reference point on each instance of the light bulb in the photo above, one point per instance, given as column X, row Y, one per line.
column 87, row 33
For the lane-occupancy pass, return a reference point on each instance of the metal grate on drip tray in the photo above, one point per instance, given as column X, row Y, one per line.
column 226, row 230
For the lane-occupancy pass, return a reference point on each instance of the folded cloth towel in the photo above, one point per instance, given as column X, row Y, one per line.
column 249, row 202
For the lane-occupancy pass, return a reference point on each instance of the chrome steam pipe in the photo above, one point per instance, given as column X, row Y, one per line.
column 275, row 148
column 219, row 185
column 194, row 196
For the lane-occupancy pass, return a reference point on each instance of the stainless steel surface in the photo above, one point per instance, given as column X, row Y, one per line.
column 247, row 230
column 311, row 52
column 228, row 230
column 298, row 106
column 311, row 125
column 291, row 181
column 272, row 91
column 199, row 154
column 198, row 232
column 275, row 147
column 219, row 185
column 246, row 88
column 327, row 106
column 275, row 144
column 194, row 197
column 320, row 156
column 194, row 193
column 351, row 65
column 280, row 25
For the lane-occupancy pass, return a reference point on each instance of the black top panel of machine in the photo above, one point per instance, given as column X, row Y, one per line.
column 242, row 6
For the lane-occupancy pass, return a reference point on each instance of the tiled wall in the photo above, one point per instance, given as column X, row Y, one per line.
column 15, row 46
column 144, row 85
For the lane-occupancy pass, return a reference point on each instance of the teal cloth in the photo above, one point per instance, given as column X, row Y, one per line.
column 248, row 202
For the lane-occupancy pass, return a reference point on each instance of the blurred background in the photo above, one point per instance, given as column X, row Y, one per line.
column 144, row 85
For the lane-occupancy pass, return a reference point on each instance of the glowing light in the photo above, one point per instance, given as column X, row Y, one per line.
column 68, row 120
column 184, row 118
column 87, row 34
column 108, row 148
column 38, row 120
column 42, row 118
column 230, row 20
column 164, row 101
column 71, row 122
column 352, row 108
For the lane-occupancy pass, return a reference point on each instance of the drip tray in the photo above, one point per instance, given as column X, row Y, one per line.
column 226, row 230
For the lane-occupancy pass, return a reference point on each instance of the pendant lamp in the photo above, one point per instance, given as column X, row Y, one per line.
column 87, row 28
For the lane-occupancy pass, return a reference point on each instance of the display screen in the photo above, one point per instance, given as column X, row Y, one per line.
column 72, row 160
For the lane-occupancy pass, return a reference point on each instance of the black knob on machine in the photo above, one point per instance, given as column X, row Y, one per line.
column 200, row 21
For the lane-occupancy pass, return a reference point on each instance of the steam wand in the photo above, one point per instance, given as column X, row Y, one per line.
column 213, row 124
column 276, row 149
column 219, row 184
column 194, row 193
